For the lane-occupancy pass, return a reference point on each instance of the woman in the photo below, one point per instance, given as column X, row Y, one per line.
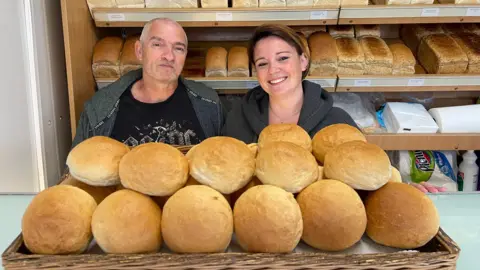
column 282, row 62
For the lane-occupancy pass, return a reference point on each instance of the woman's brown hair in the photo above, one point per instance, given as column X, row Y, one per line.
column 283, row 32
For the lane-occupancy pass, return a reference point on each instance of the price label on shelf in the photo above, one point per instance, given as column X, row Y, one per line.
column 251, row 84
column 416, row 82
column 224, row 16
column 474, row 12
column 318, row 15
column 116, row 17
column 363, row 82
column 430, row 12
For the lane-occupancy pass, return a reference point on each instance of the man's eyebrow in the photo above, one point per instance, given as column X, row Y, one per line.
column 176, row 43
column 180, row 44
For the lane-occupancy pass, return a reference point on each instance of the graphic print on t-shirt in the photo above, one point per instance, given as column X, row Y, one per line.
column 162, row 131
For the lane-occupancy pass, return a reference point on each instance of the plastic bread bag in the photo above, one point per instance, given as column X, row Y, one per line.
column 360, row 108
column 437, row 168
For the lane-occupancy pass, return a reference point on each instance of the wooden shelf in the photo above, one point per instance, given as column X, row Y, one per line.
column 408, row 14
column 207, row 17
column 453, row 141
column 411, row 83
column 234, row 85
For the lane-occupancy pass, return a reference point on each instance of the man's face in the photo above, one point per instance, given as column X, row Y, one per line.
column 163, row 51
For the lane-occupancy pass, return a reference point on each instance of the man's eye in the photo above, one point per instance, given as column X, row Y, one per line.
column 180, row 49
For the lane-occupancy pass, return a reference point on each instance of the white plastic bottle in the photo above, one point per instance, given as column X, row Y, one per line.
column 468, row 173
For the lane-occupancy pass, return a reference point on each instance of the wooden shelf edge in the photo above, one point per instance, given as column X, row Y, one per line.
column 453, row 141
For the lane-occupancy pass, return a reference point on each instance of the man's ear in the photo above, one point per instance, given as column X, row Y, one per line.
column 303, row 61
column 139, row 50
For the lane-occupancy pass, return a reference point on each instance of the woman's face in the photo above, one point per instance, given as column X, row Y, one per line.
column 279, row 67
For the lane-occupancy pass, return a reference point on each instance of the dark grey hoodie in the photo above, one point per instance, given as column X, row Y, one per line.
column 248, row 118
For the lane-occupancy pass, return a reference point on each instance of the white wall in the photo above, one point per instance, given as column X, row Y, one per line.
column 35, row 135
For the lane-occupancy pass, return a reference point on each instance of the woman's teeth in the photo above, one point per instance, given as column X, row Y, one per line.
column 278, row 80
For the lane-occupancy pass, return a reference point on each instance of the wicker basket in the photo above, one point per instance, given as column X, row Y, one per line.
column 440, row 253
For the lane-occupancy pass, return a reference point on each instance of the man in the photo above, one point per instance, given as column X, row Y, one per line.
column 154, row 104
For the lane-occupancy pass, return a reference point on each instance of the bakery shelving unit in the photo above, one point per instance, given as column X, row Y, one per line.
column 81, row 33
column 407, row 14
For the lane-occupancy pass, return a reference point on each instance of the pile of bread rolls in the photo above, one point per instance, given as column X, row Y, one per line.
column 273, row 194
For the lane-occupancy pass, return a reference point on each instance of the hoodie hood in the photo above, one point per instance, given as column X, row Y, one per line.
column 317, row 103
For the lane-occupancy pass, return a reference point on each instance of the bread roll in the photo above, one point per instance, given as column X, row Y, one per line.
column 351, row 59
column 358, row 164
column 130, row 3
column 192, row 182
column 238, row 62
column 403, row 59
column 128, row 222
column 267, row 219
column 286, row 165
column 341, row 31
column 95, row 161
column 326, row 3
column 412, row 34
column 378, row 58
column 244, row 3
column 129, row 60
column 401, row 216
column 323, row 54
column 470, row 44
column 440, row 54
column 57, row 221
column 106, row 58
column 197, row 219
column 334, row 217
column 171, row 4
column 216, row 62
column 367, row 30
column 223, row 163
column 332, row 136
column 214, row 3
column 272, row 3
column 344, row 3
column 286, row 133
column 396, row 176
column 98, row 193
column 165, row 172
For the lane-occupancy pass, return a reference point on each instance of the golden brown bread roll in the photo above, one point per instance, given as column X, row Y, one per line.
column 191, row 181
column 440, row 54
column 332, row 136
column 334, row 217
column 323, row 54
column 57, row 221
column 129, row 60
column 286, row 165
column 106, row 58
column 361, row 165
column 95, row 161
column 155, row 169
column 216, row 62
column 267, row 219
column 98, row 193
column 401, row 216
column 351, row 59
column 378, row 57
column 128, row 222
column 195, row 219
column 396, row 177
column 286, row 133
column 226, row 164
column 238, row 64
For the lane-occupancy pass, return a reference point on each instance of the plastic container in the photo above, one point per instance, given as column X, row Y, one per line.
column 468, row 172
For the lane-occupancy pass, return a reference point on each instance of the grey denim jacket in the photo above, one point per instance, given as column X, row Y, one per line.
column 98, row 117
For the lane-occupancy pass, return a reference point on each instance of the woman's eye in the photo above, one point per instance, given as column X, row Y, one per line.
column 261, row 64
column 283, row 58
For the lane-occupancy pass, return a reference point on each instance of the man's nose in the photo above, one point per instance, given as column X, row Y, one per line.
column 168, row 54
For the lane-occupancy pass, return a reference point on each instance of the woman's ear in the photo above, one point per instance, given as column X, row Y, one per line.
column 138, row 50
column 303, row 61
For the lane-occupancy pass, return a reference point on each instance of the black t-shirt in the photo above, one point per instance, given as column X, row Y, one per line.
column 172, row 121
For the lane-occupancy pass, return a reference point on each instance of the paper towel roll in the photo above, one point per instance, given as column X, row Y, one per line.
column 457, row 119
